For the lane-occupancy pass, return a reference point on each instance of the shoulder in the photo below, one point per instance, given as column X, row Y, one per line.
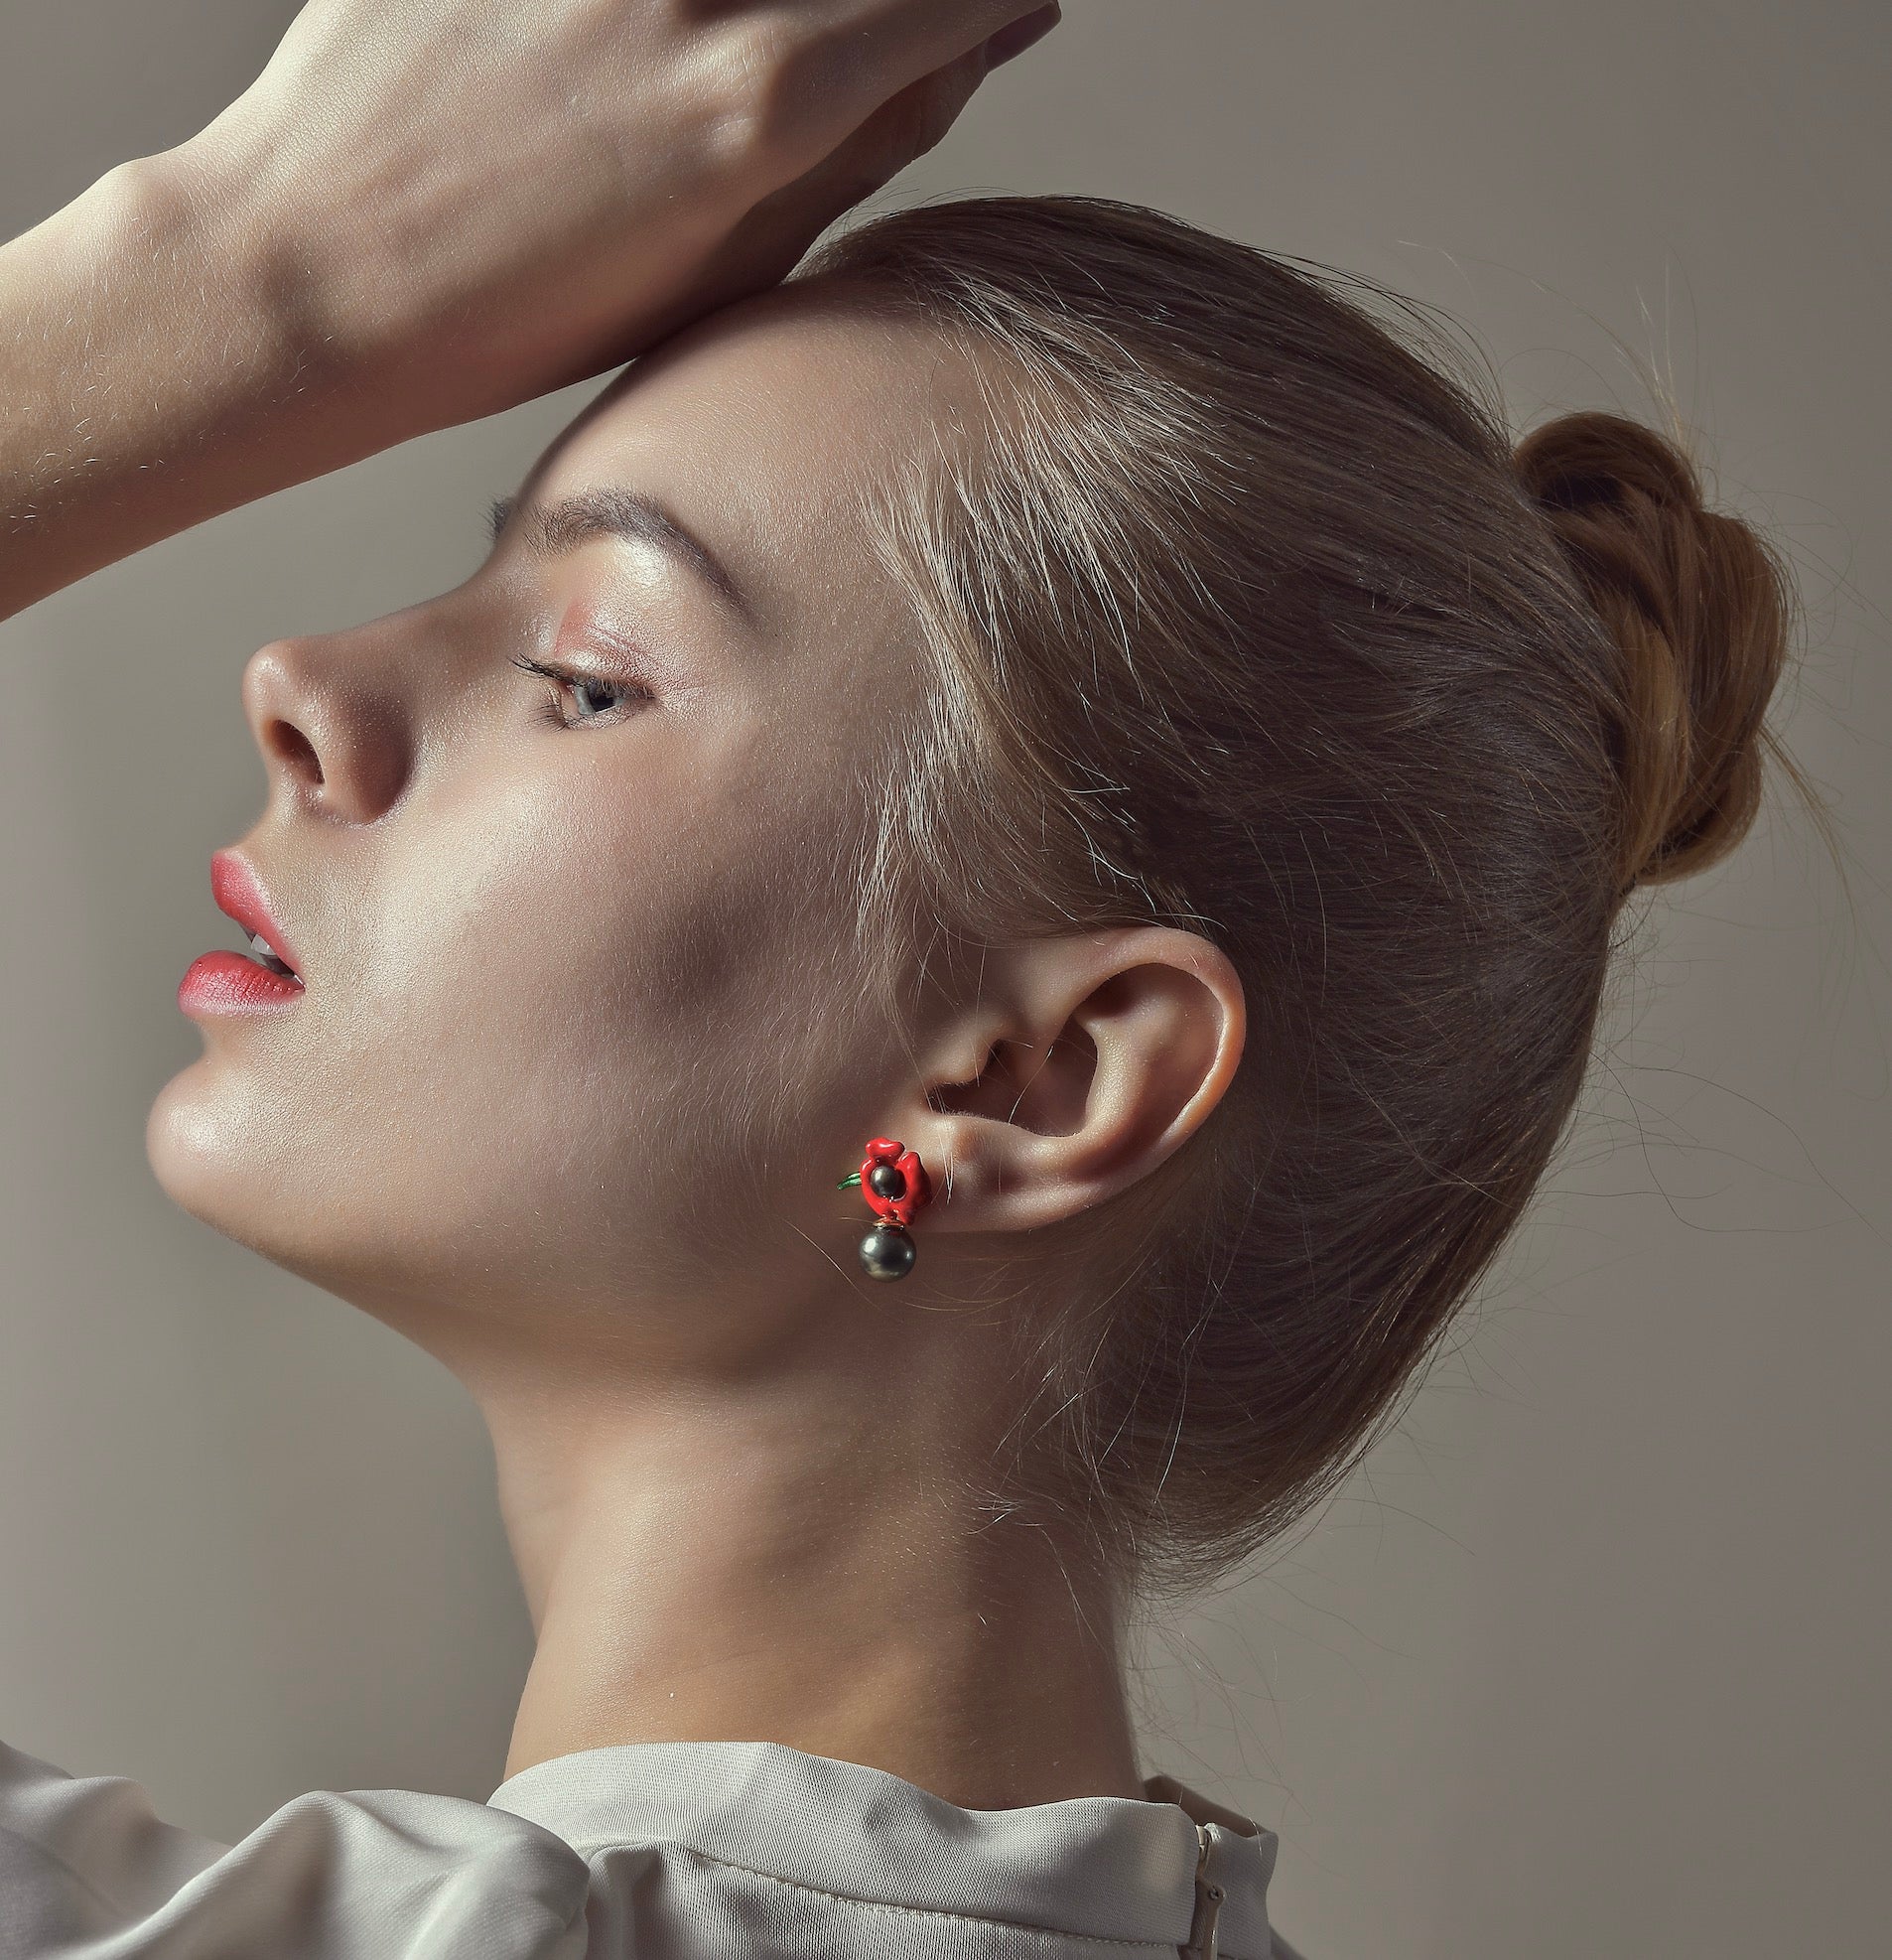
column 87, row 1869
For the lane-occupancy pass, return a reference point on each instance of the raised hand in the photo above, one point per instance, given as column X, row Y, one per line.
column 488, row 199
column 425, row 210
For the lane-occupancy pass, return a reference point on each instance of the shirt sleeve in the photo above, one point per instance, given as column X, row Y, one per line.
column 87, row 1872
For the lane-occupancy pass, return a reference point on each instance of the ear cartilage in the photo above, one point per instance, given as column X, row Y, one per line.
column 895, row 1184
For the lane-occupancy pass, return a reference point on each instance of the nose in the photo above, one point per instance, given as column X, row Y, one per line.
column 335, row 737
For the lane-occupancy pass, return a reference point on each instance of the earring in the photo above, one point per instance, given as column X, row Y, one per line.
column 895, row 1183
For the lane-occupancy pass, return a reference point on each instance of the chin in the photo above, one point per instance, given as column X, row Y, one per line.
column 218, row 1152
column 209, row 1154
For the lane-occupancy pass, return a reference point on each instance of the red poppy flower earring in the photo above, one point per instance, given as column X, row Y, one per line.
column 895, row 1183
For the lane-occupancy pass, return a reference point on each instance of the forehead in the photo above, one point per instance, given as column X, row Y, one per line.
column 766, row 429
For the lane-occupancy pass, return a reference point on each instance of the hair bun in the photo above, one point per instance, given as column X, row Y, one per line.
column 1698, row 606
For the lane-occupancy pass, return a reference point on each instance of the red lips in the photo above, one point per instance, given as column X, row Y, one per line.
column 234, row 983
column 233, row 884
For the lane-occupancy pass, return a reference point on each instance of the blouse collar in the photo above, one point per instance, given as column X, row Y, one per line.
column 1096, row 1867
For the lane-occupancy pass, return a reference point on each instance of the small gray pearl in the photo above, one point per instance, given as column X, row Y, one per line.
column 886, row 1180
column 886, row 1253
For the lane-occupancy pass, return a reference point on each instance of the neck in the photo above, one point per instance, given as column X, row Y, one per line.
column 787, row 1554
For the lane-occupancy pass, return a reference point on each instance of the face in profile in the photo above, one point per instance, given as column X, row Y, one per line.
column 545, row 853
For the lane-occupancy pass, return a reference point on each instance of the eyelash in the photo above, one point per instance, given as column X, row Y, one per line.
column 564, row 676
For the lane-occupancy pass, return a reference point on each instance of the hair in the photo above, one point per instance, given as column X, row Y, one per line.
column 1243, row 616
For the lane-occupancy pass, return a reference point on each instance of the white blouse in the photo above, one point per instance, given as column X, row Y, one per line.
column 648, row 1851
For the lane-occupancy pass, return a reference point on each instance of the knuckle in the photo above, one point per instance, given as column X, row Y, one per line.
column 771, row 91
column 748, row 92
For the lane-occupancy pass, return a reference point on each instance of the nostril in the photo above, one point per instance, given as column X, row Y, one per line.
column 295, row 748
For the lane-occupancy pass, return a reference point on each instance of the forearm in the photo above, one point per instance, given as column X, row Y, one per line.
column 424, row 212
column 154, row 371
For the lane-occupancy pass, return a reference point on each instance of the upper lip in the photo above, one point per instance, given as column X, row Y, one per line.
column 240, row 893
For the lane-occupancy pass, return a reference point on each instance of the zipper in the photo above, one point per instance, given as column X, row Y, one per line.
column 1208, row 1901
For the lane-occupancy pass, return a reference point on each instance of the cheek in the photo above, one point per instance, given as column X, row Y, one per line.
column 567, row 1016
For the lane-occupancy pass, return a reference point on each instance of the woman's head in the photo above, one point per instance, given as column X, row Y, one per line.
column 1173, row 766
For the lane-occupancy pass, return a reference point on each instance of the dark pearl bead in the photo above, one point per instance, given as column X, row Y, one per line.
column 886, row 1253
column 886, row 1180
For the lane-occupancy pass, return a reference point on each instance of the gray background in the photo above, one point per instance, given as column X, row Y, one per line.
column 1591, row 1656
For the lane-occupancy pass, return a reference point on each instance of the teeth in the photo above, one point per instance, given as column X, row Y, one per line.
column 268, row 954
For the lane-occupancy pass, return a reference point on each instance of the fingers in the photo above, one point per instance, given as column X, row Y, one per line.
column 772, row 240
column 1012, row 41
column 911, row 123
column 907, row 126
column 900, row 41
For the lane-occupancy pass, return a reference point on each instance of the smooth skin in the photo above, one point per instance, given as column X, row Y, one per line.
column 566, row 1097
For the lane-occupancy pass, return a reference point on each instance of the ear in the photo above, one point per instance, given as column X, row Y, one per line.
column 1089, row 1059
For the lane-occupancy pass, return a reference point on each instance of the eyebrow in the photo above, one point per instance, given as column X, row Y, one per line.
column 620, row 512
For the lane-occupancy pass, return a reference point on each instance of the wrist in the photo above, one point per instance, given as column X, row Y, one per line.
column 340, row 297
column 238, row 245
column 312, row 319
column 156, row 369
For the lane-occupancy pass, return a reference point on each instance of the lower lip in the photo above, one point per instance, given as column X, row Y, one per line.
column 230, row 983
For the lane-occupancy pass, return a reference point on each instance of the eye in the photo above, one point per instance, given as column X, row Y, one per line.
column 584, row 692
column 595, row 698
